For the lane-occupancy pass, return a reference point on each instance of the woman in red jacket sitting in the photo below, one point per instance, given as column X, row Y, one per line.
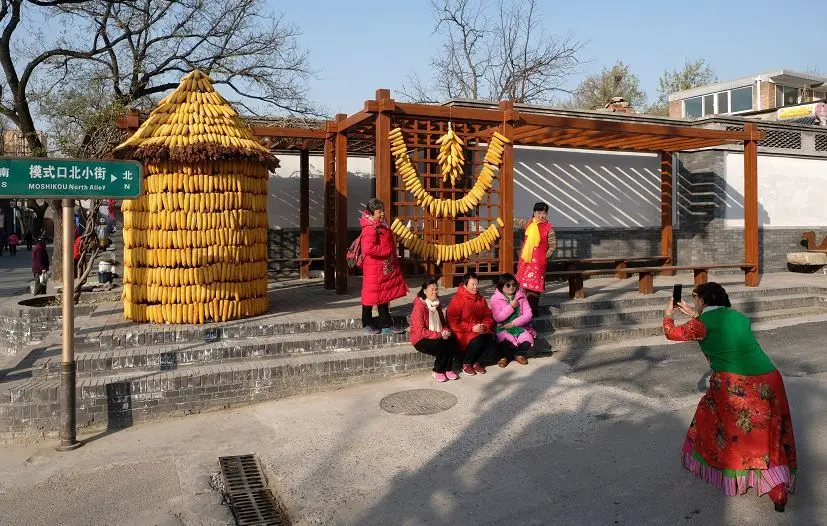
column 470, row 319
column 429, row 331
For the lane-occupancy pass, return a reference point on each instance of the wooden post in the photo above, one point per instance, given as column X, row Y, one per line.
column 666, row 230
column 382, row 165
column 507, row 189
column 329, row 208
column 304, row 213
column 751, row 278
column 341, row 208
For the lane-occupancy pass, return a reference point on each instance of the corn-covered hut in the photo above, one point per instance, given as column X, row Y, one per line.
column 195, row 243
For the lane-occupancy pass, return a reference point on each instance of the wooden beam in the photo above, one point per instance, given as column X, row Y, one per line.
column 527, row 131
column 341, row 208
column 357, row 118
column 666, row 206
column 383, row 170
column 640, row 128
column 304, row 213
column 506, row 177
column 329, row 212
column 445, row 112
column 291, row 133
column 751, row 278
column 563, row 138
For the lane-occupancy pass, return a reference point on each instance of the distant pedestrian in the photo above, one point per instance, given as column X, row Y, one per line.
column 29, row 240
column 12, row 242
column 4, row 238
column 742, row 432
column 40, row 266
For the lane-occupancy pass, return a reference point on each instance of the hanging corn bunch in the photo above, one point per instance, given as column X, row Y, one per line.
column 195, row 244
column 451, row 157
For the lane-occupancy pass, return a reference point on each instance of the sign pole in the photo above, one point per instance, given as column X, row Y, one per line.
column 68, row 432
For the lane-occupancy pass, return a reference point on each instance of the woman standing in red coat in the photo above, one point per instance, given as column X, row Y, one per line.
column 538, row 247
column 382, row 280
column 471, row 320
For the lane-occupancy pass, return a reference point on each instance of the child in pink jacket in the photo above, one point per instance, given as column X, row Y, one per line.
column 512, row 313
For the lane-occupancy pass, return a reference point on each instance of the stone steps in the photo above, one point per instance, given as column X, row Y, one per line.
column 620, row 315
column 121, row 399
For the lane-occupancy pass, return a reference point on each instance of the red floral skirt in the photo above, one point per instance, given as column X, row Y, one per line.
column 742, row 435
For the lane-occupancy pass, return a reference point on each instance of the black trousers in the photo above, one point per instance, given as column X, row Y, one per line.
column 443, row 352
column 509, row 350
column 533, row 298
column 482, row 347
column 384, row 316
column 13, row 250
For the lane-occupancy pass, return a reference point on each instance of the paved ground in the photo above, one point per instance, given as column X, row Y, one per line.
column 16, row 272
column 585, row 438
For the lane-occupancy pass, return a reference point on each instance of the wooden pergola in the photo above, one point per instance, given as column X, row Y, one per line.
column 365, row 133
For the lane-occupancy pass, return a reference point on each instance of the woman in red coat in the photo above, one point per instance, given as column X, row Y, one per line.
column 430, row 333
column 471, row 320
column 538, row 247
column 382, row 280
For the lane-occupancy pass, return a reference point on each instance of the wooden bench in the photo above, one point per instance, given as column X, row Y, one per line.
column 618, row 263
column 646, row 276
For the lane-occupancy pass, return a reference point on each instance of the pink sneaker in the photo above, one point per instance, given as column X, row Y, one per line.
column 440, row 377
column 451, row 375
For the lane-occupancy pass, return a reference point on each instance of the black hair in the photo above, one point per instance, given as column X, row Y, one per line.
column 506, row 278
column 425, row 284
column 469, row 276
column 712, row 294
column 374, row 204
column 540, row 207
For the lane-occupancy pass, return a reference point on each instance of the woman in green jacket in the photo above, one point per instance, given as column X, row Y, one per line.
column 742, row 435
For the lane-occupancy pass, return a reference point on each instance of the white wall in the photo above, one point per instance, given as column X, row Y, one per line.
column 792, row 192
column 283, row 187
column 588, row 188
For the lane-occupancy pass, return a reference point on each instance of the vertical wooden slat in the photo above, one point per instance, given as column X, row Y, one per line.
column 751, row 278
column 330, row 209
column 666, row 227
column 304, row 213
column 507, row 190
column 383, row 172
column 341, row 209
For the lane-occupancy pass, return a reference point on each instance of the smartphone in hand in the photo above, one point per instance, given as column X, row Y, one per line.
column 676, row 294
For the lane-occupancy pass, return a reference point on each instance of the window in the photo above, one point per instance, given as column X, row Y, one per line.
column 693, row 108
column 740, row 99
column 785, row 96
column 723, row 102
column 819, row 95
column 709, row 105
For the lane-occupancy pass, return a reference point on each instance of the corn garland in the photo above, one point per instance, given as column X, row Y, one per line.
column 447, row 207
column 457, row 252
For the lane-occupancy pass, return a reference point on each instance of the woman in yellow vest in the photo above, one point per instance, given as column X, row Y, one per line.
column 742, row 434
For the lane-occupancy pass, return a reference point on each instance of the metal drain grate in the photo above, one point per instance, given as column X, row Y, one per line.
column 252, row 502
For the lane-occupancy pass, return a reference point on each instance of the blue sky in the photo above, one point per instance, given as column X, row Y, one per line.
column 359, row 46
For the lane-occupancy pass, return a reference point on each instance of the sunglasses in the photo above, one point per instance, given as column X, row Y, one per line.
column 509, row 285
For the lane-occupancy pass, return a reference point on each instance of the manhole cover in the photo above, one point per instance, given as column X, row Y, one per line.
column 418, row 402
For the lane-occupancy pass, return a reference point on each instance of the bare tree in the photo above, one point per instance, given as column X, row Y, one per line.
column 139, row 49
column 496, row 53
column 595, row 91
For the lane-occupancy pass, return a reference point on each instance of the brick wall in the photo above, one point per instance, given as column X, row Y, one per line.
column 675, row 108
column 766, row 92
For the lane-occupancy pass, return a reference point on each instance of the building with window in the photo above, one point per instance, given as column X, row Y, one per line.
column 766, row 91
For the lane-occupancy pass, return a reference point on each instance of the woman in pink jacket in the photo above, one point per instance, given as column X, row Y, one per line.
column 512, row 313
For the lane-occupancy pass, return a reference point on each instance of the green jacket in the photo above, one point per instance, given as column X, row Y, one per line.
column 730, row 344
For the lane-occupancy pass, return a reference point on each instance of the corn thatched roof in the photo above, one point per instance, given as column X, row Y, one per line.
column 194, row 123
